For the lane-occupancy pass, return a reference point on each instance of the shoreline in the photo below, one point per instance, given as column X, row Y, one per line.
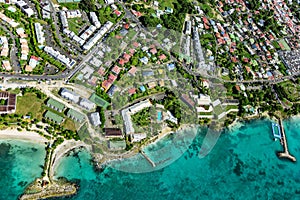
column 30, row 136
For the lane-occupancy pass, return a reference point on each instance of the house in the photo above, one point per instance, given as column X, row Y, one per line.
column 75, row 115
column 132, row 91
column 10, row 102
column 137, row 137
column 169, row 10
column 25, row 8
column 148, row 73
column 87, row 104
column 171, row 66
column 55, row 105
column 151, row 85
column 142, row 88
column 53, row 117
column 6, row 65
column 109, row 1
column 69, row 95
column 95, row 119
column 144, row 60
column 33, row 61
column 113, row 133
column 187, row 100
column 112, row 90
column 132, row 70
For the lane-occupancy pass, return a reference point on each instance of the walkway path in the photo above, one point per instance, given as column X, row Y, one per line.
column 285, row 153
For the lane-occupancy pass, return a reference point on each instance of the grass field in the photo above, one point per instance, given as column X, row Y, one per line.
column 75, row 24
column 69, row 124
column 292, row 91
column 30, row 103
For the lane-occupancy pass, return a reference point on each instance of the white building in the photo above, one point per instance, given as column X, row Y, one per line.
column 4, row 46
column 70, row 95
column 62, row 58
column 39, row 33
column 63, row 19
column 95, row 119
column 8, row 20
column 88, row 32
column 92, row 41
column 73, row 14
column 136, row 137
column 204, row 100
column 87, row 104
column 95, row 20
column 25, row 8
column 6, row 65
column 126, row 114
column 109, row 1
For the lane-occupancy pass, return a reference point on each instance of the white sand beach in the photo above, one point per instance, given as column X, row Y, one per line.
column 22, row 135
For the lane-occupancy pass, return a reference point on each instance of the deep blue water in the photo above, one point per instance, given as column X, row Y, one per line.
column 242, row 165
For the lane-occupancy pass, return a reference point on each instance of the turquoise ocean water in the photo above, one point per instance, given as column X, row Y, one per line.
column 20, row 163
column 242, row 165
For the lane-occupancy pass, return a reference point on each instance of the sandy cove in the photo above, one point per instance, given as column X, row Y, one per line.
column 14, row 134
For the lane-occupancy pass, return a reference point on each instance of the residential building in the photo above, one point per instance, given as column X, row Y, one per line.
column 113, row 133
column 127, row 112
column 137, row 137
column 87, row 104
column 4, row 46
column 39, row 33
column 63, row 19
column 69, row 95
column 95, row 20
column 92, row 41
column 25, row 8
column 95, row 119
column 55, row 105
column 53, row 117
column 75, row 115
column 62, row 58
column 6, row 65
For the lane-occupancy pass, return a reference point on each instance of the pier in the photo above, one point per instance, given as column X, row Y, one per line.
column 285, row 153
column 148, row 159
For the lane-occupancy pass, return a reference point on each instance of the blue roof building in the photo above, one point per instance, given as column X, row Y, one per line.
column 142, row 88
column 171, row 66
column 148, row 73
column 112, row 90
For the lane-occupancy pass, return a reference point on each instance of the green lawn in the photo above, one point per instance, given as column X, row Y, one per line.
column 75, row 24
column 30, row 103
column 69, row 124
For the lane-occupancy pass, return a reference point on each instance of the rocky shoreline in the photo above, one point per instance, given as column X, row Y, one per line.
column 40, row 189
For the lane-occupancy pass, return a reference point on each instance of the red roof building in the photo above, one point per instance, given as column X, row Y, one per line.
column 162, row 57
column 106, row 85
column 116, row 69
column 153, row 51
column 132, row 91
column 112, row 78
column 132, row 71
column 101, row 71
column 121, row 61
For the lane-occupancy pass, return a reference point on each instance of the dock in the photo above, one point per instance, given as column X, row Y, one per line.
column 148, row 159
column 285, row 153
